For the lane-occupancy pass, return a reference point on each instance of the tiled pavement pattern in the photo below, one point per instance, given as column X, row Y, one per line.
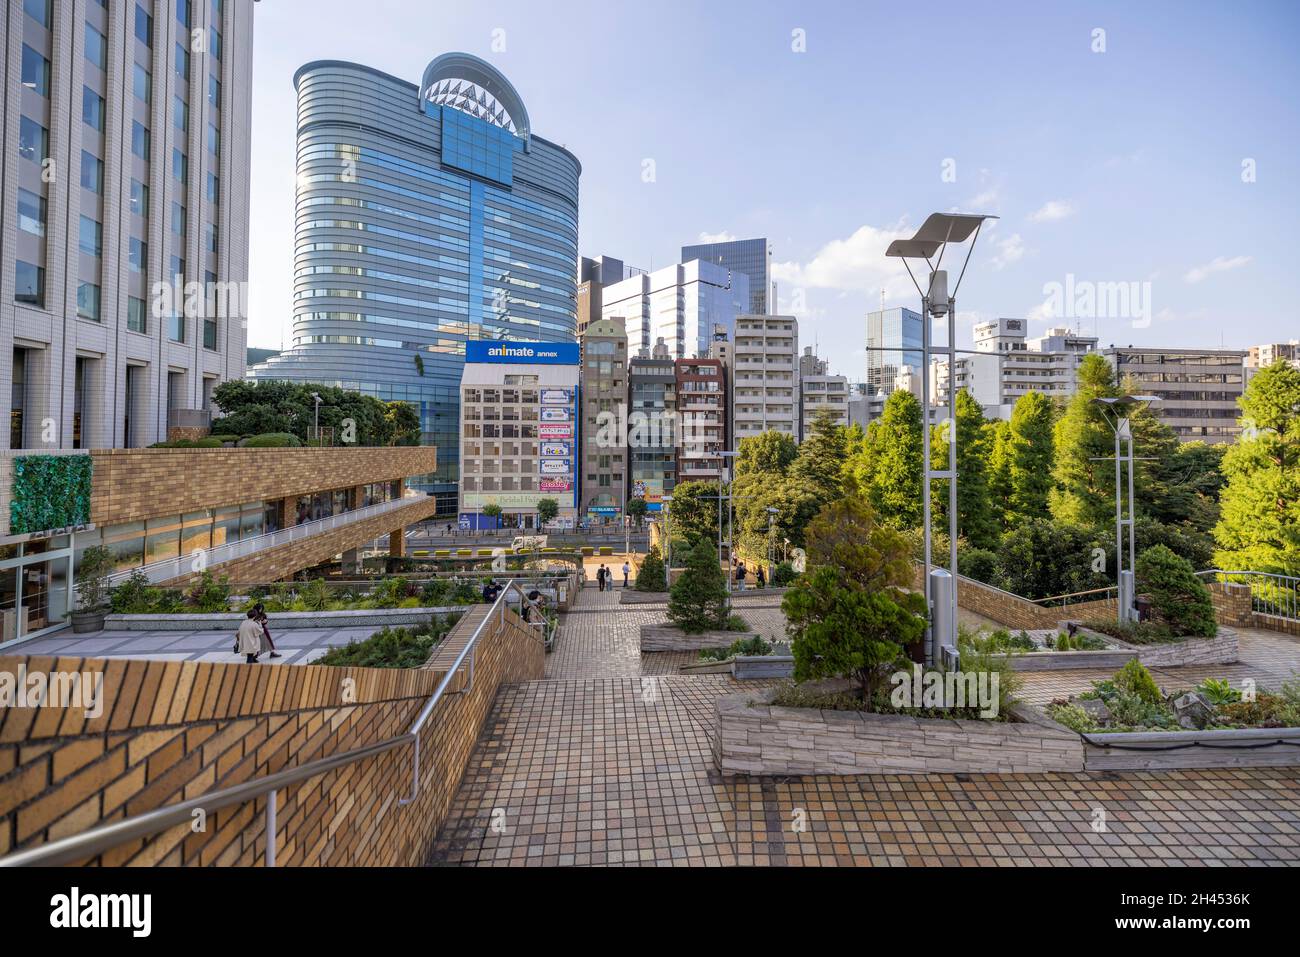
column 609, row 761
column 297, row 646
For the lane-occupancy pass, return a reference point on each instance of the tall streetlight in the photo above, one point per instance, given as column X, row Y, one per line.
column 1117, row 412
column 668, row 537
column 316, row 423
column 772, row 511
column 725, row 470
column 930, row 243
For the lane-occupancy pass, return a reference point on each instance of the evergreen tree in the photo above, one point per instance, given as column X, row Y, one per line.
column 697, row 601
column 1030, row 457
column 820, row 461
column 1084, row 492
column 975, row 522
column 998, row 442
column 1178, row 597
column 891, row 472
column 1259, row 524
column 693, row 512
column 652, row 576
column 769, row 453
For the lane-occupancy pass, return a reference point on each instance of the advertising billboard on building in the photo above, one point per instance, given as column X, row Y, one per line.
column 534, row 353
column 556, row 450
column 546, row 432
column 555, row 467
column 555, row 415
column 556, row 397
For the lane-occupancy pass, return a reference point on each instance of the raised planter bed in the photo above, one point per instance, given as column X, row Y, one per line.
column 754, row 737
column 747, row 667
column 1221, row 649
column 1151, row 750
column 630, row 596
column 229, row 621
column 671, row 638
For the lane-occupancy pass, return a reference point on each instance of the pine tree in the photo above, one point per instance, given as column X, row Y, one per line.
column 651, row 576
column 693, row 513
column 820, row 461
column 1030, row 457
column 1259, row 523
column 697, row 601
column 1084, row 492
column 998, row 442
column 975, row 522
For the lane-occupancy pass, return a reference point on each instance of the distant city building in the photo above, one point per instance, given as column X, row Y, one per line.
column 859, row 405
column 430, row 216
column 819, row 390
column 255, row 356
column 765, row 376
column 652, row 434
column 125, row 136
column 893, row 340
column 603, row 464
column 1263, row 356
column 681, row 304
column 519, row 428
column 752, row 257
column 701, row 387
column 1198, row 388
column 593, row 276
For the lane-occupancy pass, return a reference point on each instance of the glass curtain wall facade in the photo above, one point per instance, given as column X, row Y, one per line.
column 893, row 341
column 747, row 256
column 427, row 216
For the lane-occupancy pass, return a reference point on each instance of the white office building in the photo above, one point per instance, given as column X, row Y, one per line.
column 819, row 390
column 683, row 305
column 124, row 216
column 765, row 376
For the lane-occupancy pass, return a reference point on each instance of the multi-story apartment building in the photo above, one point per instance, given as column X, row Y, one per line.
column 123, row 215
column 519, row 429
column 752, row 257
column 593, row 276
column 681, row 304
column 893, row 340
column 702, row 416
column 603, row 396
column 1263, row 356
column 765, row 377
column 1197, row 388
column 652, row 425
column 819, row 390
column 429, row 216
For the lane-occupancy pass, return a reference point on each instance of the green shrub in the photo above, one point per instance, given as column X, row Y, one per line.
column 736, row 623
column 135, row 596
column 209, row 594
column 1133, row 632
column 755, row 646
column 435, row 592
column 1218, row 691
column 652, row 575
column 1000, row 641
column 93, row 568
column 272, row 440
column 316, row 595
column 1135, row 679
column 1179, row 599
column 392, row 647
column 1072, row 716
column 978, row 563
column 783, row 575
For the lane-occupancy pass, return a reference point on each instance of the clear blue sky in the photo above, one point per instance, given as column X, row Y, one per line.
column 1118, row 166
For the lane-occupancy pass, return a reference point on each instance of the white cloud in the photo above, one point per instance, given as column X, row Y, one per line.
column 1217, row 264
column 856, row 263
column 1053, row 210
column 722, row 237
column 1010, row 250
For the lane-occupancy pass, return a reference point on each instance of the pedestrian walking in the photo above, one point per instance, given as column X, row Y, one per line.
column 627, row 570
column 740, row 575
column 759, row 578
column 248, row 640
column 265, row 622
column 600, row 577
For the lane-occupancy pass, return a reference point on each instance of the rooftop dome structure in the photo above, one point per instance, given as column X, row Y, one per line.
column 471, row 85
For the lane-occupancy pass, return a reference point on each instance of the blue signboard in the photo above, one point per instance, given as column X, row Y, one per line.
column 534, row 353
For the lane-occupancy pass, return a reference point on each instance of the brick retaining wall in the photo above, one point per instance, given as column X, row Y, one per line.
column 173, row 730
column 671, row 638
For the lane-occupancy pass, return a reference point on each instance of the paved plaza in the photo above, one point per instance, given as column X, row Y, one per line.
column 297, row 646
column 609, row 761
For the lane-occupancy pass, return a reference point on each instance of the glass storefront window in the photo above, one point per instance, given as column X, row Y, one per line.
column 163, row 539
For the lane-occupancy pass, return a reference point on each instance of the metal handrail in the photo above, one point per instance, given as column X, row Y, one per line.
column 1283, row 601
column 1074, row 594
column 96, row 840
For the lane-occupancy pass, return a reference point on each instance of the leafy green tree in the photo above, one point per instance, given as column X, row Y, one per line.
column 891, row 472
column 255, row 407
column 1030, row 457
column 547, row 510
column 492, row 510
column 998, row 442
column 1179, row 599
column 1040, row 558
column 769, row 453
column 694, row 511
column 697, row 601
column 1259, row 525
column 1084, row 492
column 636, row 510
column 975, row 520
column 853, row 612
column 652, row 576
column 819, row 465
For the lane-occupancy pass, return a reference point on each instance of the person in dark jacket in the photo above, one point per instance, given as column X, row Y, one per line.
column 265, row 622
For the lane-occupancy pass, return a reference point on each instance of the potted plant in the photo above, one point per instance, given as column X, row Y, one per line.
column 93, row 569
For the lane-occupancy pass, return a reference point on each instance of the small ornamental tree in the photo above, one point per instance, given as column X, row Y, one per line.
column 1178, row 597
column 547, row 509
column 492, row 510
column 636, row 510
column 698, row 599
column 652, row 576
column 852, row 614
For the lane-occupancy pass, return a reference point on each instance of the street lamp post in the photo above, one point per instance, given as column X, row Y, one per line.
column 1117, row 412
column 932, row 240
column 668, row 538
column 316, row 422
column 730, row 483
column 771, row 548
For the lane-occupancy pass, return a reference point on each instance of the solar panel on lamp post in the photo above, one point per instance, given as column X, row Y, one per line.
column 930, row 243
column 1117, row 410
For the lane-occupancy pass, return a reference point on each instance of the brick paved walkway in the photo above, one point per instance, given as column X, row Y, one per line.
column 609, row 761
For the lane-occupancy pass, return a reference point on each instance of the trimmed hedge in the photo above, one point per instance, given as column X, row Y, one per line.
column 272, row 440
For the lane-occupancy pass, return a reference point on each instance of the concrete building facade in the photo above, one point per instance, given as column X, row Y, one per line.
column 683, row 305
column 819, row 390
column 652, row 413
column 604, row 382
column 702, row 412
column 1198, row 388
column 125, row 137
column 766, row 376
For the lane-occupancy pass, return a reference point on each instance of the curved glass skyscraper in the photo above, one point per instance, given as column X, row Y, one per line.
column 427, row 216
